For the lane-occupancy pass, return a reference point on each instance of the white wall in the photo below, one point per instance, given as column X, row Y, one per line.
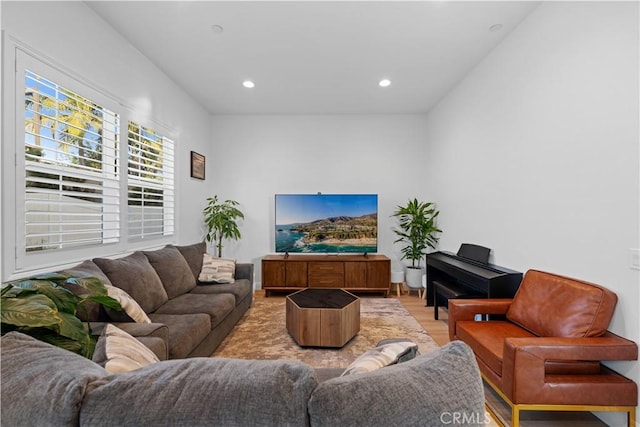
column 85, row 46
column 256, row 157
column 536, row 153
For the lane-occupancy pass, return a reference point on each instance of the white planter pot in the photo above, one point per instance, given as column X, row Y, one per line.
column 413, row 277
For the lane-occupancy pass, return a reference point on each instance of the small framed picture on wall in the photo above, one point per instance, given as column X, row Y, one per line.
column 197, row 165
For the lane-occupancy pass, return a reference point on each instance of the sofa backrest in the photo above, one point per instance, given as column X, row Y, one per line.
column 173, row 270
column 430, row 389
column 550, row 305
column 42, row 385
column 193, row 254
column 94, row 311
column 135, row 275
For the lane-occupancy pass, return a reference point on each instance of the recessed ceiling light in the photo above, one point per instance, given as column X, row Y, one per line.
column 217, row 29
column 384, row 83
column 495, row 27
column 248, row 84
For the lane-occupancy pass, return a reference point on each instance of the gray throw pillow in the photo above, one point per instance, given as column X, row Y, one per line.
column 42, row 385
column 135, row 275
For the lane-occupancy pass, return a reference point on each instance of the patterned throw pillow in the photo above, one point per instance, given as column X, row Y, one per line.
column 131, row 310
column 118, row 352
column 217, row 270
column 379, row 357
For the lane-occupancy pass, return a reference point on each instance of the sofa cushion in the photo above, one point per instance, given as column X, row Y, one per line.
column 42, row 385
column 93, row 312
column 119, row 352
column 186, row 331
column 240, row 289
column 203, row 392
column 217, row 306
column 131, row 310
column 417, row 392
column 217, row 270
column 173, row 270
column 381, row 356
column 487, row 339
column 193, row 255
column 135, row 275
column 582, row 310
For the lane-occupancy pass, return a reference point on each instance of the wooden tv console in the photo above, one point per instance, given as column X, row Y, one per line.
column 354, row 273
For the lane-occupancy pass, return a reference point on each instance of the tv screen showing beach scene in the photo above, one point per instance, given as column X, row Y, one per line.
column 326, row 223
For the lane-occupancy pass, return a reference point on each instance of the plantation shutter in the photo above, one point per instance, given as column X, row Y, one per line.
column 150, row 184
column 71, row 177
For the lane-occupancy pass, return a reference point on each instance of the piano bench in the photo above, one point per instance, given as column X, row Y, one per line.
column 448, row 291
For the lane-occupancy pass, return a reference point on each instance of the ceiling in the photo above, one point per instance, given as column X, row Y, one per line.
column 314, row 57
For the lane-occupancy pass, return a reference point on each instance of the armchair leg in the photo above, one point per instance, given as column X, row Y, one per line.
column 515, row 416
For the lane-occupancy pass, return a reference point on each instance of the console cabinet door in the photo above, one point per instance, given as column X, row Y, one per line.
column 378, row 275
column 296, row 274
column 273, row 274
column 355, row 274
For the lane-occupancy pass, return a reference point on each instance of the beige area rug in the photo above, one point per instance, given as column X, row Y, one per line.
column 262, row 334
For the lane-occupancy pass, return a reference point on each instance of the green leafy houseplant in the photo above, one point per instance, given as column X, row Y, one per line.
column 221, row 221
column 43, row 308
column 417, row 229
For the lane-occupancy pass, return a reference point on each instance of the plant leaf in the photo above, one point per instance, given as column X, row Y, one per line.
column 31, row 310
column 94, row 285
column 105, row 300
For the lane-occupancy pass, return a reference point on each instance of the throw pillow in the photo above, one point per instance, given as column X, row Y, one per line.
column 217, row 270
column 379, row 357
column 412, row 353
column 118, row 352
column 131, row 310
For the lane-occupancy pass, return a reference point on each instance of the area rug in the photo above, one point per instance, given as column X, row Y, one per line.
column 262, row 334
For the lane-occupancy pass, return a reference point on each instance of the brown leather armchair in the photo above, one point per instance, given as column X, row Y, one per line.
column 542, row 350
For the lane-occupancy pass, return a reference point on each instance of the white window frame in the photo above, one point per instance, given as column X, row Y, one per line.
column 16, row 262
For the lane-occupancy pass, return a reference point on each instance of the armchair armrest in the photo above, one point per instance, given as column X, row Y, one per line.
column 244, row 271
column 606, row 347
column 466, row 309
column 524, row 358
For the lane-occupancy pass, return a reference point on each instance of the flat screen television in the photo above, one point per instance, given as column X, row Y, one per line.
column 326, row 223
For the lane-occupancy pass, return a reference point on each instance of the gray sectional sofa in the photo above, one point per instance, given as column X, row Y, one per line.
column 189, row 318
column 45, row 385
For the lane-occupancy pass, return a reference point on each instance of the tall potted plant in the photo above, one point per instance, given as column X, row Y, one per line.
column 417, row 230
column 221, row 221
column 42, row 307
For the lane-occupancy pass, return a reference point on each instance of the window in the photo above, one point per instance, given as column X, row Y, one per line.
column 71, row 178
column 86, row 177
column 150, row 183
